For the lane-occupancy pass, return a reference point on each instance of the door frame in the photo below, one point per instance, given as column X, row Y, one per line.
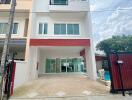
column 66, row 58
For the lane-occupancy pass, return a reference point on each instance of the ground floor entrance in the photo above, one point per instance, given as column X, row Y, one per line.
column 62, row 59
column 58, row 65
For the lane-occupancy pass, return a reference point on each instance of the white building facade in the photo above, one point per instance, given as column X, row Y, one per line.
column 55, row 37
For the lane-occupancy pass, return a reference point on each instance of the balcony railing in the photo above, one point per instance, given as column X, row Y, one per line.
column 58, row 2
column 5, row 1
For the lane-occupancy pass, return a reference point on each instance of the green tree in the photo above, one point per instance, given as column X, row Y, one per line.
column 116, row 43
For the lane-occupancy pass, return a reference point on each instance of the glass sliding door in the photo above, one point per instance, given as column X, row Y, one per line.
column 50, row 66
column 70, row 66
column 59, row 65
column 78, row 64
column 63, row 65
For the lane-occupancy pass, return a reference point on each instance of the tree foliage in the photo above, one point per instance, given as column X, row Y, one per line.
column 116, row 43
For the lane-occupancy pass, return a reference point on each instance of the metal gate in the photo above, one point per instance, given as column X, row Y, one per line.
column 120, row 66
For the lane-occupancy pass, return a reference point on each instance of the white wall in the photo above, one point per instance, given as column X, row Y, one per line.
column 77, row 13
column 21, row 74
column 33, row 59
column 90, row 63
column 59, row 18
column 90, row 53
column 40, row 6
column 73, row 5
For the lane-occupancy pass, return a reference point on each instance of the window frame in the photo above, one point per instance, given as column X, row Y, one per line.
column 60, row 30
column 12, row 29
column 43, row 28
column 67, row 31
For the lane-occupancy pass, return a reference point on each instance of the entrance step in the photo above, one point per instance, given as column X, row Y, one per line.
column 92, row 97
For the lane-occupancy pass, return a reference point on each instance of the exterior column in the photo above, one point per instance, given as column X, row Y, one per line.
column 90, row 63
column 33, row 62
column 29, row 33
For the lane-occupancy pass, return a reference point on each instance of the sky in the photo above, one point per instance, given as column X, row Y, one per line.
column 110, row 17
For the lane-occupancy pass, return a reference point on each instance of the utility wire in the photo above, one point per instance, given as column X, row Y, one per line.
column 108, row 10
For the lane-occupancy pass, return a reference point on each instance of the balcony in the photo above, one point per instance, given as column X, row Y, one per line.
column 68, row 5
column 5, row 1
column 22, row 5
column 58, row 2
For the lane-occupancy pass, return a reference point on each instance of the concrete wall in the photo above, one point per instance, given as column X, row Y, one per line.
column 33, row 59
column 90, row 63
column 58, row 18
column 73, row 5
column 40, row 6
column 21, row 74
column 77, row 13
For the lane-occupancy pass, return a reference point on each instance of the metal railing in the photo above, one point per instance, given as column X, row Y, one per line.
column 5, row 1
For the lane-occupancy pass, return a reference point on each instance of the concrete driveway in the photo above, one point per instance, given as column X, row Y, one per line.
column 61, row 85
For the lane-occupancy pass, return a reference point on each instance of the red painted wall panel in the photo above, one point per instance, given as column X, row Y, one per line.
column 126, row 71
column 59, row 42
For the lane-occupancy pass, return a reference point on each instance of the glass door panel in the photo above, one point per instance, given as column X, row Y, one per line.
column 47, row 65
column 78, row 64
column 50, row 66
column 74, row 60
column 70, row 66
column 63, row 65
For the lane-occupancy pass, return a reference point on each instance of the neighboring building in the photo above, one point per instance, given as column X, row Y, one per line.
column 51, row 36
column 101, row 61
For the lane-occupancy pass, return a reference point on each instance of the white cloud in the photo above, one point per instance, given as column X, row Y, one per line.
column 119, row 22
column 103, row 4
column 108, row 23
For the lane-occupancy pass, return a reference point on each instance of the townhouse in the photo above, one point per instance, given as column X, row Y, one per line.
column 50, row 36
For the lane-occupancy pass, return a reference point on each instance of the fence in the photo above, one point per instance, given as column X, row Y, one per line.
column 120, row 66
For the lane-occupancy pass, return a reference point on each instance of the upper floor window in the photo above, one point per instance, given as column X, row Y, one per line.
column 43, row 28
column 63, row 29
column 73, row 29
column 3, row 28
column 60, row 29
column 59, row 2
column 5, row 1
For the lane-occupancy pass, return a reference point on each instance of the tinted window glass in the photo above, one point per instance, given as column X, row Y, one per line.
column 45, row 28
column 76, row 29
column 69, row 29
column 15, row 28
column 56, row 28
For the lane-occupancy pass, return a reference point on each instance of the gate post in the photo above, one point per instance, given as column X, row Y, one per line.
column 120, row 74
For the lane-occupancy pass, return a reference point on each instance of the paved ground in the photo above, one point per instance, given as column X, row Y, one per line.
column 64, row 87
column 107, row 97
